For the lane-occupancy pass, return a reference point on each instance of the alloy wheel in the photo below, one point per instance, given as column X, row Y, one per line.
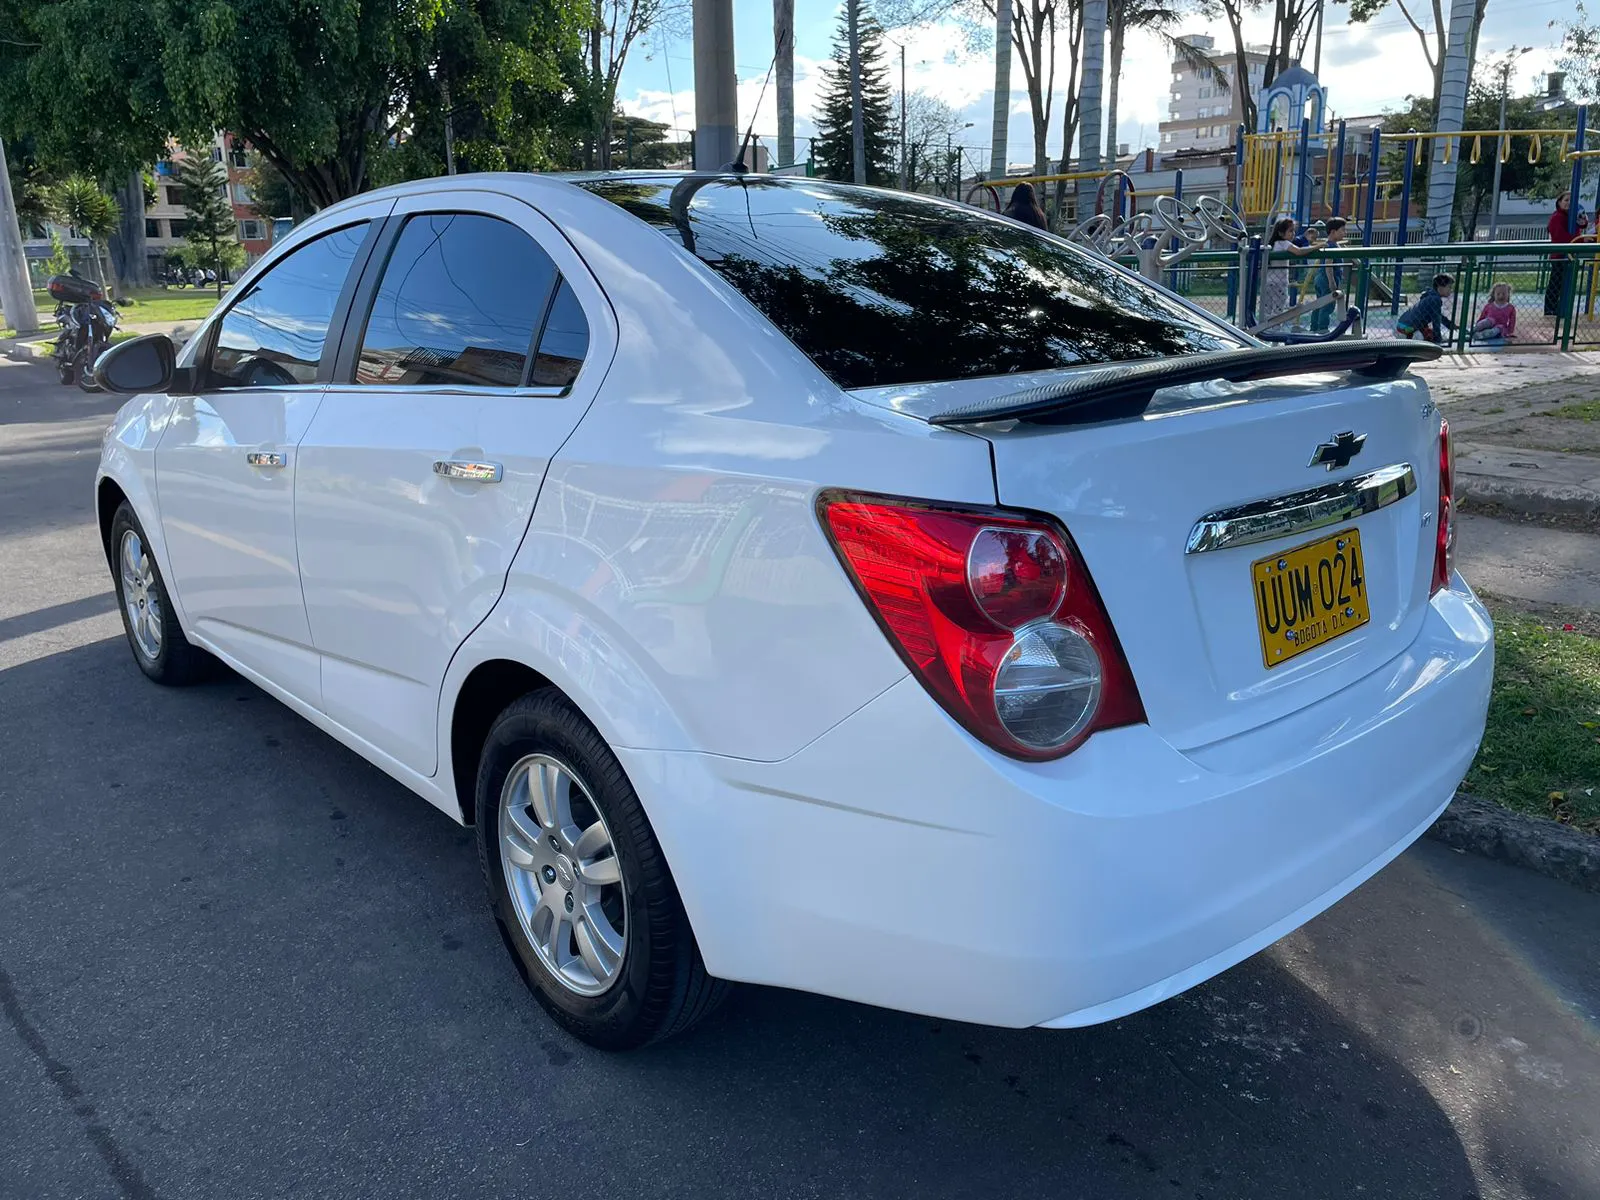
column 140, row 596
column 563, row 874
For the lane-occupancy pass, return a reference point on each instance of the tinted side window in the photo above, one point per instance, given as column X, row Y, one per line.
column 564, row 342
column 884, row 288
column 273, row 335
column 458, row 304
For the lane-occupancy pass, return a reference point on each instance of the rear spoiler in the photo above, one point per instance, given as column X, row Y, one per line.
column 1120, row 390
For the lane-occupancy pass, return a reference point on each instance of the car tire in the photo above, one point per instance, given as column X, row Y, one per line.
column 536, row 871
column 154, row 636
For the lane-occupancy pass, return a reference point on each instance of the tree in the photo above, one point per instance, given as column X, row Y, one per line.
column 318, row 89
column 1033, row 35
column 614, row 27
column 1475, row 180
column 1159, row 17
column 1292, row 25
column 30, row 191
column 78, row 202
column 1435, row 42
column 129, row 250
column 59, row 262
column 930, row 126
column 1580, row 54
column 636, row 142
column 83, row 82
column 211, row 236
column 271, row 194
column 834, row 143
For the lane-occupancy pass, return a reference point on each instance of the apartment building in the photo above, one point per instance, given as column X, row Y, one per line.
column 166, row 220
column 1202, row 114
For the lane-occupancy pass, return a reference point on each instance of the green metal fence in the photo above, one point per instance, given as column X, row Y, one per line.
column 1553, row 288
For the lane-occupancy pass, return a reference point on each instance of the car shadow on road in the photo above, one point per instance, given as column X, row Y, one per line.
column 268, row 967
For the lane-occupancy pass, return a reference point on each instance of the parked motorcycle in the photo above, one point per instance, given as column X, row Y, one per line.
column 86, row 319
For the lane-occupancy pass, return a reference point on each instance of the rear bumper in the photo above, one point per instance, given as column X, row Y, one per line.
column 897, row 862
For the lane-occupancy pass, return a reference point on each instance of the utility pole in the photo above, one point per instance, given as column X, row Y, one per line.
column 716, row 94
column 858, row 128
column 783, row 48
column 449, row 128
column 1002, row 89
column 16, row 294
column 1316, row 58
column 1452, row 111
column 904, row 161
column 1512, row 55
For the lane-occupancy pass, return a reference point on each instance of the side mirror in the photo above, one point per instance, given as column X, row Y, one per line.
column 141, row 364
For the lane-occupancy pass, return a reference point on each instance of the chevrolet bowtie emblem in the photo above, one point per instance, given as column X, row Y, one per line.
column 1338, row 452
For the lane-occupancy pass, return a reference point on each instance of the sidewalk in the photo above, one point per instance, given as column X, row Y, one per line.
column 1510, row 449
column 39, row 345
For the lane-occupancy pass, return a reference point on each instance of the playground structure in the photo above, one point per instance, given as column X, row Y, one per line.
column 1215, row 251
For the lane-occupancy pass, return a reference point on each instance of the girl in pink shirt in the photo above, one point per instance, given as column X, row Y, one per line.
column 1498, row 320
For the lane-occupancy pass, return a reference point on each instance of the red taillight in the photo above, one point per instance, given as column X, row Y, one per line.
column 994, row 612
column 1444, row 549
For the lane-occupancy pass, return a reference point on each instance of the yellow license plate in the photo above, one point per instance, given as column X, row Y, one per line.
column 1310, row 595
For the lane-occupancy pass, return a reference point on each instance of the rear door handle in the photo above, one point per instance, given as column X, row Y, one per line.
column 265, row 458
column 473, row 472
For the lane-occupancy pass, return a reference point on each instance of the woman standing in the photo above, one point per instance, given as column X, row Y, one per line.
column 1024, row 207
column 1560, row 231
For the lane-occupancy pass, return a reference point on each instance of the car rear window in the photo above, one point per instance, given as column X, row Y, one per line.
column 882, row 288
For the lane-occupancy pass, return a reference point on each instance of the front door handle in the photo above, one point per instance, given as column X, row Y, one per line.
column 473, row 472
column 265, row 458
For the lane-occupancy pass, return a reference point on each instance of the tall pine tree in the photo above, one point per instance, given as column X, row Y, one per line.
column 835, row 159
column 211, row 238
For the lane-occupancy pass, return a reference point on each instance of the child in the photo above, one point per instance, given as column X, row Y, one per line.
column 1328, row 277
column 1426, row 316
column 1498, row 320
column 1275, row 287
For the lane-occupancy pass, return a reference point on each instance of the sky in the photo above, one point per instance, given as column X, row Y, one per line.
column 1367, row 68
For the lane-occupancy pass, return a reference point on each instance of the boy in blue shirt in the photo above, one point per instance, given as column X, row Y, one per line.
column 1426, row 316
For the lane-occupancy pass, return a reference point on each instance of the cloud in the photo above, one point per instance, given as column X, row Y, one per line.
column 1368, row 68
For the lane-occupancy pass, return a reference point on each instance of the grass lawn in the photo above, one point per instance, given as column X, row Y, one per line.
column 1588, row 411
column 158, row 304
column 1541, row 751
column 152, row 304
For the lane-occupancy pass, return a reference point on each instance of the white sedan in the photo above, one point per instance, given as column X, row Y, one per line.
column 812, row 585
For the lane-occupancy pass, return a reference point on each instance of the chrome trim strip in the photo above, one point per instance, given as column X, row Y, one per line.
column 473, row 472
column 537, row 392
column 1301, row 512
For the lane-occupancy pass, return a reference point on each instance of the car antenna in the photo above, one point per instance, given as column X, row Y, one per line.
column 738, row 166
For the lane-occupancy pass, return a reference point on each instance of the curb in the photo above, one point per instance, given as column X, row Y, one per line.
column 1547, row 501
column 23, row 351
column 1547, row 847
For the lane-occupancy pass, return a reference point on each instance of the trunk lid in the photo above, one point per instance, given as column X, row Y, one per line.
column 1184, row 600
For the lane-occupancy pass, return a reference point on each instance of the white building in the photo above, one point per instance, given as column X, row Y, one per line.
column 1202, row 114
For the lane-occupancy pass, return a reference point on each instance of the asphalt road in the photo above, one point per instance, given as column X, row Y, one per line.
column 236, row 961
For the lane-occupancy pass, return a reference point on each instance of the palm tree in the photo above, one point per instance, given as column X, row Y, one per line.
column 77, row 201
column 1159, row 17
